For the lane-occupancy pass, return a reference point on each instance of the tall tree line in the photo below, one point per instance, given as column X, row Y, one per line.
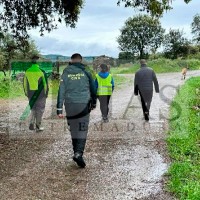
column 143, row 35
column 15, row 48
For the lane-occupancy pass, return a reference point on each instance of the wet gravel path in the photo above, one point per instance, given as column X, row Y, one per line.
column 126, row 158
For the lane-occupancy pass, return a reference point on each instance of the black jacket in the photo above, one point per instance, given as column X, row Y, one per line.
column 144, row 79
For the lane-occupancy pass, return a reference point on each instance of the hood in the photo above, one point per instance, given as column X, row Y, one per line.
column 103, row 74
column 34, row 68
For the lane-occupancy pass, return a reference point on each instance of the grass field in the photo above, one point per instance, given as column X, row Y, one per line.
column 159, row 66
column 13, row 89
column 184, row 142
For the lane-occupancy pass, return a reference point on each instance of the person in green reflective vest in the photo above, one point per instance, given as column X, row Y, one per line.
column 105, row 87
column 36, row 89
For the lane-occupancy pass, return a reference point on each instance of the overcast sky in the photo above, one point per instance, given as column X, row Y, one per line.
column 99, row 24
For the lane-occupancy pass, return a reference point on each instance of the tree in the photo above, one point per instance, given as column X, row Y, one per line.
column 126, row 56
column 175, row 44
column 2, row 62
column 9, row 47
column 196, row 28
column 141, row 34
column 19, row 16
column 195, row 49
column 154, row 7
column 15, row 48
column 26, row 49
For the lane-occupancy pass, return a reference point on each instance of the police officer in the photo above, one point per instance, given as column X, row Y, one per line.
column 36, row 89
column 77, row 91
column 105, row 85
column 143, row 84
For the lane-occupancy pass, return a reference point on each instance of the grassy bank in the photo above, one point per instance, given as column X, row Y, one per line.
column 184, row 142
column 159, row 66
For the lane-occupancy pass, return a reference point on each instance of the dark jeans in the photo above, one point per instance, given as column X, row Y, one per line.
column 104, row 104
column 37, row 111
column 146, row 98
column 78, row 121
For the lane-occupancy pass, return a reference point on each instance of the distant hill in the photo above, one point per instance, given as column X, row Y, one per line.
column 54, row 58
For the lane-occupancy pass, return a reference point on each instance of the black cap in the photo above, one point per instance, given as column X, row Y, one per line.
column 76, row 55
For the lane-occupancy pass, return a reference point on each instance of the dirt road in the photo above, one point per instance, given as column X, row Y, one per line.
column 126, row 158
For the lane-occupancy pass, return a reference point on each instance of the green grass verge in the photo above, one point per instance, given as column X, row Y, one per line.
column 159, row 66
column 120, row 81
column 184, row 142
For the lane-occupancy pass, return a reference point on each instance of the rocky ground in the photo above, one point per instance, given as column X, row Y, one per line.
column 126, row 158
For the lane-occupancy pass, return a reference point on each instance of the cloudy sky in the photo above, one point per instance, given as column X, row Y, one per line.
column 99, row 24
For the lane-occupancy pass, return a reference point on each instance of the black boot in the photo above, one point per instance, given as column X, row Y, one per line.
column 74, row 144
column 105, row 119
column 78, row 158
column 31, row 127
column 146, row 116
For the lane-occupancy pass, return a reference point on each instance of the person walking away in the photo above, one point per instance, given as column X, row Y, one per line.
column 143, row 84
column 78, row 93
column 105, row 86
column 36, row 89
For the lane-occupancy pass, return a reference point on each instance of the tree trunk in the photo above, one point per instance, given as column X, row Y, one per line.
column 141, row 54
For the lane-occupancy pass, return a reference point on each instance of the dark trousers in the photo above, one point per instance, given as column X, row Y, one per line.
column 104, row 104
column 146, row 98
column 78, row 121
column 37, row 111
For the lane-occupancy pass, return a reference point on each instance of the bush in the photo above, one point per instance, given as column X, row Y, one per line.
column 195, row 56
column 194, row 64
column 11, row 89
column 163, row 65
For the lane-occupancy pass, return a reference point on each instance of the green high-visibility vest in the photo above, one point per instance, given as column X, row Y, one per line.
column 32, row 76
column 104, row 85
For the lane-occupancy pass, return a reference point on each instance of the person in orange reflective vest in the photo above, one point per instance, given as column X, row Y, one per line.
column 105, row 86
